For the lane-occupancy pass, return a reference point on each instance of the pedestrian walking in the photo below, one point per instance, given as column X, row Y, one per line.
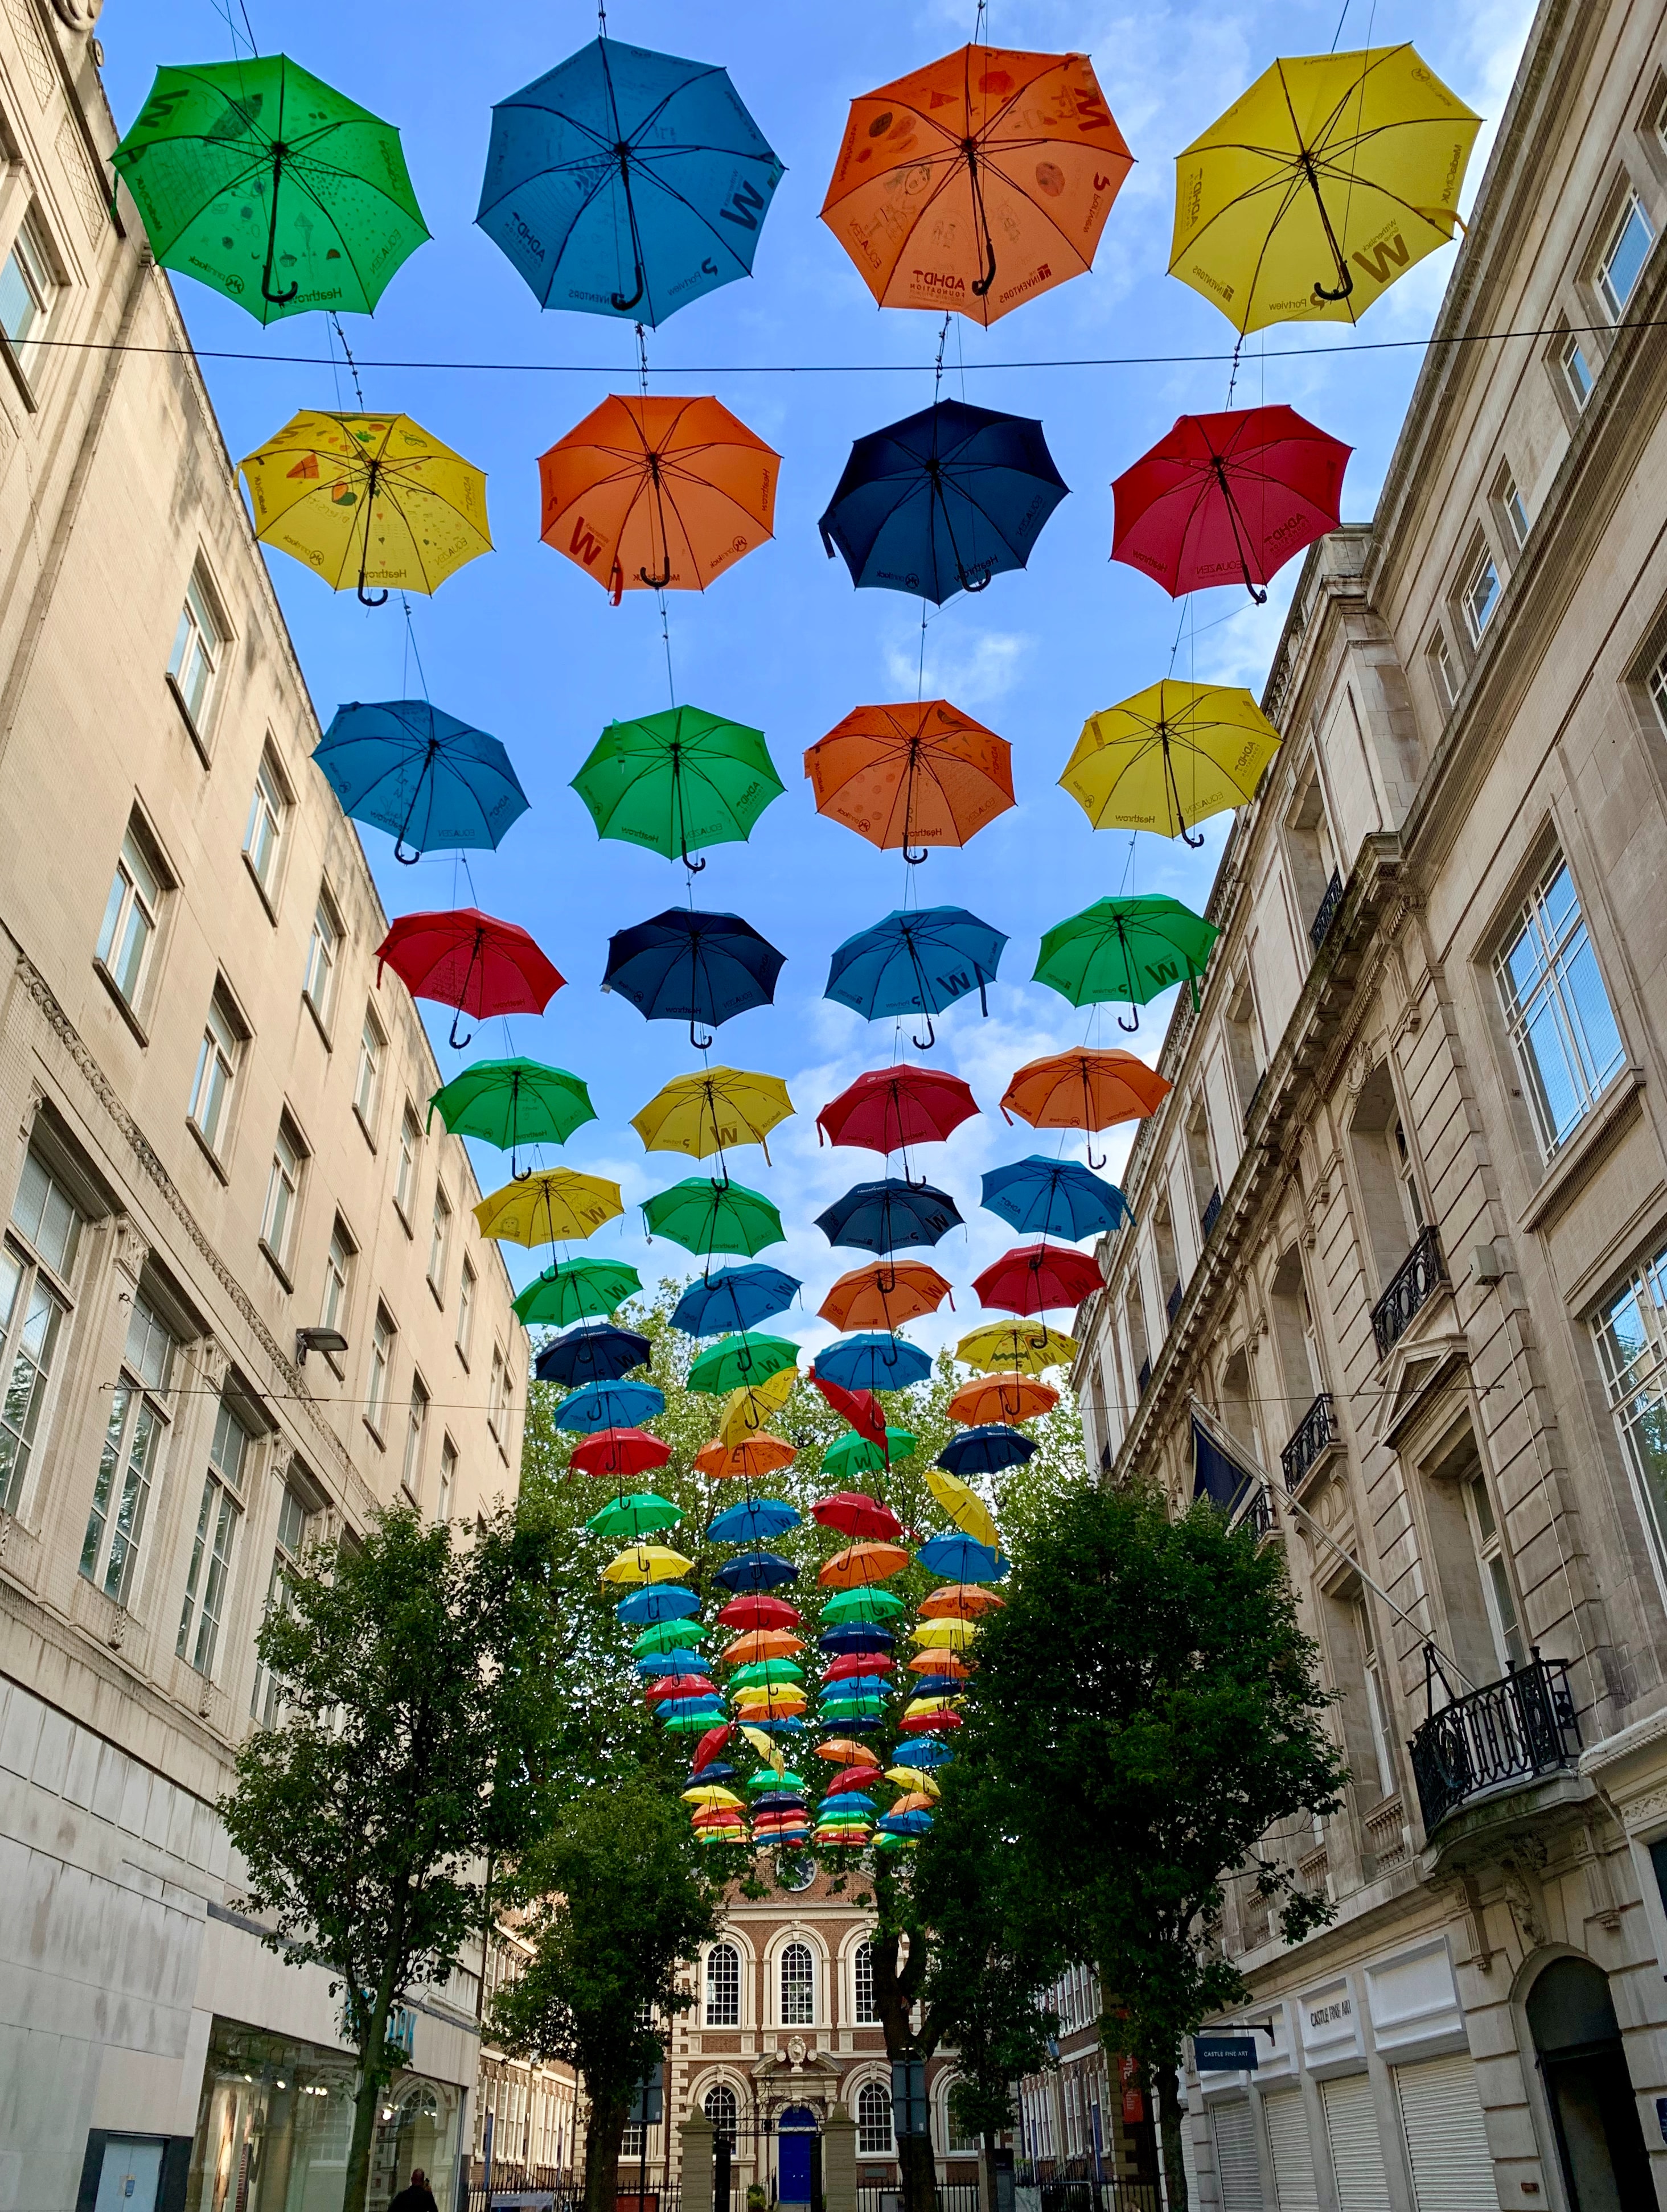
column 415, row 2196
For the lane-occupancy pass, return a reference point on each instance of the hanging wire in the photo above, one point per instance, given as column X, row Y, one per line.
column 1338, row 32
column 347, row 356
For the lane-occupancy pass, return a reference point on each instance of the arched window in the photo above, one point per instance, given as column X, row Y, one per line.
column 797, row 1987
column 873, row 2121
column 867, row 2012
column 720, row 2108
column 723, row 1986
column 957, row 2140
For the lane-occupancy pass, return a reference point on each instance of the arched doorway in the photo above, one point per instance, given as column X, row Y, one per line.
column 797, row 2142
column 1606, row 2167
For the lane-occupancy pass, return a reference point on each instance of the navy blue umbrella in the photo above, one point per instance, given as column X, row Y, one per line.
column 985, row 1450
column 873, row 1361
column 1054, row 1198
column 756, row 1570
column 593, row 1354
column 856, row 1637
column 916, row 962
column 435, row 783
column 734, row 1300
column 692, row 967
column 883, row 1216
column 609, row 1406
column 713, row 1770
column 943, row 502
column 779, row 1801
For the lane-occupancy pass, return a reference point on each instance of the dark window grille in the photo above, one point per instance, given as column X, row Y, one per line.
column 1253, row 1511
column 1508, row 1731
column 1420, row 1274
column 1212, row 1213
column 1143, row 1378
column 1320, row 928
column 1172, row 1302
column 1317, row 1429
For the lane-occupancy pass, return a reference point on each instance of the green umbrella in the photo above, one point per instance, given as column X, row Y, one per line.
column 675, row 782
column 669, row 1636
column 706, row 1217
column 1129, row 948
column 862, row 1604
column 639, row 1515
column 851, row 1454
column 577, row 1289
column 768, row 1778
column 765, row 1670
column 739, row 1361
column 259, row 180
column 511, row 1102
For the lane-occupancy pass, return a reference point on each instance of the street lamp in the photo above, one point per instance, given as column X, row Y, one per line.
column 318, row 1340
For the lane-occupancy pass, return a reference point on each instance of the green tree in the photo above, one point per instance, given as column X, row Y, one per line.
column 1145, row 1711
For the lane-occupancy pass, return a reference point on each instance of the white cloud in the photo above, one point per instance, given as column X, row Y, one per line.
column 972, row 671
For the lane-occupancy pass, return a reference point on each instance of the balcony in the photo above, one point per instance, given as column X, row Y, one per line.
column 1320, row 928
column 1507, row 1731
column 1316, row 1433
column 1172, row 1302
column 1212, row 1213
column 1420, row 1274
column 1252, row 1511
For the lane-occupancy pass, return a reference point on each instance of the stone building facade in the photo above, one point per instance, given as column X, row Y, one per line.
column 211, row 1138
column 1402, row 1224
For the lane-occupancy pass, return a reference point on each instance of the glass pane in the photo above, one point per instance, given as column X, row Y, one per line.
column 109, row 1460
column 11, row 1275
column 231, row 1444
column 1625, row 260
column 130, row 1517
column 128, row 964
column 1602, row 1049
column 112, row 908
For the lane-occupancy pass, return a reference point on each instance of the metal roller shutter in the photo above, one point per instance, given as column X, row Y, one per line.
column 1452, row 2168
column 1357, row 2153
column 1294, row 2182
column 1233, row 2127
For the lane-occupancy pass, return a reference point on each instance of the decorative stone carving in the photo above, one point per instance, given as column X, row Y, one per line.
column 130, row 1250
column 1520, row 1872
column 79, row 14
column 797, row 2049
column 1600, row 1882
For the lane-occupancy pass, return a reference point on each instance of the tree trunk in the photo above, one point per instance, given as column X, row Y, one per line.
column 919, row 2170
column 604, row 2130
column 1169, row 2131
column 373, row 2075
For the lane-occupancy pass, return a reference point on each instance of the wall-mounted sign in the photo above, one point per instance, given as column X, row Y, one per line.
column 1223, row 2054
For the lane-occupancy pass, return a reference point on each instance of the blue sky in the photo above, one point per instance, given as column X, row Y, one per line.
column 522, row 644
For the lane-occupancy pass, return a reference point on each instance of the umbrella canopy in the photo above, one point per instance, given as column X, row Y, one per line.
column 990, row 1448
column 890, row 1108
column 758, row 1611
column 674, row 781
column 733, row 1298
column 863, row 1605
column 746, row 1412
column 885, row 1295
column 766, row 1671
column 943, row 501
column 367, row 500
column 1011, row 1397
column 860, row 1408
column 609, row 1406
column 913, row 776
column 905, row 1824
column 855, row 1454
column 667, row 1603
column 854, row 1664
column 752, row 1457
column 945, row 1635
column 1169, row 757
column 876, row 1360
column 657, row 494
column 1032, row 1278
column 260, row 180
column 959, row 1601
column 626, row 182
column 1084, row 1090
column 656, row 1665
column 861, row 1563
column 711, row 1793
column 1019, row 1346
column 963, row 1557
column 1128, row 949
column 880, row 1217
column 1230, row 498
column 467, row 959
column 735, row 1360
column 706, row 1750
column 1054, row 1198
column 762, row 1643
column 929, row 1751
column 638, row 1515
column 853, row 1513
column 756, row 1570
column 669, row 1636
column 964, row 1506
column 577, row 1289
column 840, row 1752
column 912, row 1777
column 433, row 782
column 648, row 1562
column 593, row 1354
column 713, row 1110
column 705, row 1218
column 1320, row 186
column 684, row 966
column 858, row 1635
column 917, row 962
column 555, row 1205
column 512, row 1102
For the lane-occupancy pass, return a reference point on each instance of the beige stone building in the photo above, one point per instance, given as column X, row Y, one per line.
column 211, row 1140
column 1403, row 1223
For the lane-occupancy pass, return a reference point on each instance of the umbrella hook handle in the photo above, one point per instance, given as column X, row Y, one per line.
column 700, row 1043
column 275, row 298
column 694, row 867
column 622, row 307
column 1129, row 1026
column 1089, row 1146
column 657, row 583
column 916, row 858
column 925, row 1043
column 380, row 598
column 457, row 1043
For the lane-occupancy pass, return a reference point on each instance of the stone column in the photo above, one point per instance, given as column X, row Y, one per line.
column 838, row 2162
column 695, row 2136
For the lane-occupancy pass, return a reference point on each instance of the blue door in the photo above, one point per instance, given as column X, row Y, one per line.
column 796, row 2131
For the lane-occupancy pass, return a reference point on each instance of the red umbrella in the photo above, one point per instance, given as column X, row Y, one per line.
column 680, row 1686
column 860, row 1409
column 710, row 1745
column 626, row 1453
column 1032, row 1278
column 891, row 1107
column 885, row 1295
column 467, row 960
column 930, row 1723
column 1228, row 496
column 856, row 1777
column 757, row 1611
column 854, row 1513
column 858, row 1662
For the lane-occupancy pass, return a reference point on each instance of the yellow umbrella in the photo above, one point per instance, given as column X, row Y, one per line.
column 557, row 1205
column 1173, row 754
column 944, row 1635
column 964, row 1506
column 646, row 1563
column 711, row 1111
column 766, row 1748
column 913, row 1778
column 711, row 1793
column 1319, row 185
column 930, row 1704
column 367, row 499
column 746, row 1411
column 1016, row 1347
column 771, row 1702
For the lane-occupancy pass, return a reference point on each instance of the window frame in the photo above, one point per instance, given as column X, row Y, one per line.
column 1493, row 1572
column 227, row 1053
column 279, row 1246
column 39, row 1287
column 203, row 623
column 864, row 2013
column 804, row 1987
column 45, row 286
column 271, row 803
column 446, row 1492
column 1570, row 349
column 265, row 1700
column 729, row 2011
column 203, row 1609
column 439, row 1242
column 416, row 1437
column 134, row 1448
column 127, row 897
column 1635, row 1388
column 1630, row 207
column 408, row 1166
column 379, row 1375
column 468, row 1285
column 1442, row 674
column 1558, row 951
column 373, row 1044
column 869, row 2143
column 1482, row 561
column 1511, row 506
column 497, row 1393
column 324, row 946
column 336, row 1305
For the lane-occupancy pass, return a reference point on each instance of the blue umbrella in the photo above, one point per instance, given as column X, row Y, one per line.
column 928, row 1751
column 916, row 962
column 883, row 1216
column 786, row 1724
column 873, row 1361
column 905, row 1824
column 658, row 1601
column 959, row 1559
column 433, row 782
column 609, row 1406
column 682, row 966
column 626, row 182
column 689, row 1709
column 671, row 1662
column 736, row 1298
column 592, row 1354
column 1054, row 1198
column 756, row 1570
column 754, row 1522
column 987, row 1450
column 716, row 1771
column 856, row 1636
column 847, row 1800
column 859, row 1687
column 943, row 502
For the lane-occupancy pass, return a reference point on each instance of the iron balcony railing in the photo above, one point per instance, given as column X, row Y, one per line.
column 1314, row 1433
column 1320, row 928
column 1172, row 1302
column 1252, row 1511
column 1212, row 1213
column 1419, row 1275
column 1508, row 1731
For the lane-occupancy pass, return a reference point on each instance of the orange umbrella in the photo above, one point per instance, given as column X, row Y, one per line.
column 1084, row 1090
column 862, row 1562
column 885, row 1295
column 761, row 1643
column 926, row 775
column 976, row 182
column 651, row 494
column 988, row 1398
column 938, row 1662
column 959, row 1601
column 754, row 1455
column 841, row 1751
column 914, row 1801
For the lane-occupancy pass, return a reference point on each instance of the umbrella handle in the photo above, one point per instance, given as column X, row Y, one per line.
column 693, row 866
column 275, row 298
column 623, row 307
column 456, row 1043
column 1342, row 290
column 405, row 859
column 1129, row 1026
column 1088, row 1144
column 380, row 598
column 657, row 583
column 700, row 1043
column 916, row 858
column 965, row 582
column 925, row 1043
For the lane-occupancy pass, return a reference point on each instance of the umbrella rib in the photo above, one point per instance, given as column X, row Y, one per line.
column 671, row 192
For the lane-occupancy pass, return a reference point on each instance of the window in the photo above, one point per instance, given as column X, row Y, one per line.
column 368, row 1078
column 723, row 1986
column 1631, row 1344
column 277, row 1220
column 211, row 1546
column 633, row 2139
column 873, row 2121
column 293, row 1518
column 127, row 1464
column 130, row 916
column 194, row 663
column 465, row 1311
column 381, row 1359
column 404, row 1181
column 1621, row 262
column 264, row 836
column 416, row 1423
column 1378, row 1706
column 48, row 1217
column 26, row 288
column 1562, row 1031
column 1507, row 497
column 867, row 2010
column 495, row 1393
column 958, row 2141
column 1577, row 371
column 1511, row 1650
column 447, row 1491
column 797, row 1987
column 440, row 1236
column 721, row 2108
column 322, row 949
column 31, row 1316
column 1442, row 669
column 338, row 1279
column 216, row 1071
column 1658, row 686
column 1479, row 594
